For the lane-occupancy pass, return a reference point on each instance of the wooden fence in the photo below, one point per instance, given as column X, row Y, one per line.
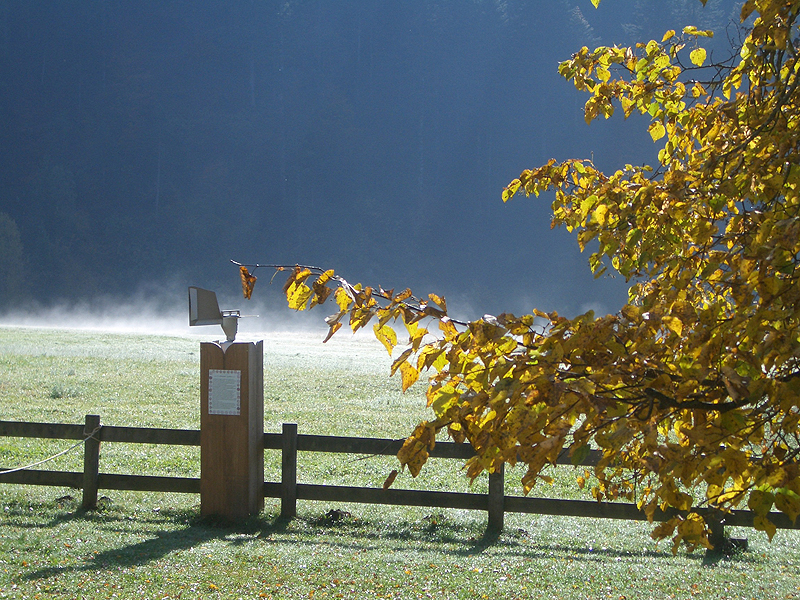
column 289, row 442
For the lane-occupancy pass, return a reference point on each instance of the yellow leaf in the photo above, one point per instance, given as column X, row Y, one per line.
column 402, row 296
column 439, row 300
column 414, row 452
column 359, row 317
column 776, row 478
column 400, row 360
column 558, row 351
column 691, row 530
column 747, row 9
column 386, row 336
column 673, row 324
column 698, row 56
column 665, row 529
column 668, row 35
column 299, row 275
column 343, row 299
column 333, row 329
column 627, row 106
column 321, row 290
column 595, row 3
column 656, row 130
column 443, row 399
column 511, row 189
column 416, row 335
column 675, row 497
column 411, row 326
column 788, row 503
column 603, row 74
column 600, row 214
column 409, row 375
column 698, row 90
column 760, row 502
column 693, row 526
column 248, row 281
column 764, row 524
column 298, row 295
column 446, row 325
column 488, row 418
column 429, row 357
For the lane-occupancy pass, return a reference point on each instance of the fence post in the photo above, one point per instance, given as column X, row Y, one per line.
column 714, row 520
column 496, row 499
column 289, row 470
column 91, row 462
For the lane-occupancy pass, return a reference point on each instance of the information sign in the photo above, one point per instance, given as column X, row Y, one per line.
column 224, row 392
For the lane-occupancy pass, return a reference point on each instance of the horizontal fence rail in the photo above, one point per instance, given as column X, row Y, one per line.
column 289, row 442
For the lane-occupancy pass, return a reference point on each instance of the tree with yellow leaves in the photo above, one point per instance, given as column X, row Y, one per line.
column 692, row 390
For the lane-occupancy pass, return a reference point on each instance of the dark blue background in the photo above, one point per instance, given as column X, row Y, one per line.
column 145, row 143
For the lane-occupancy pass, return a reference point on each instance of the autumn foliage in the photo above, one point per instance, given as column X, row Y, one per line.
column 692, row 390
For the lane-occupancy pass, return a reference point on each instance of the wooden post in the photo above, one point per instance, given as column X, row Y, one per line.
column 717, row 529
column 231, row 429
column 91, row 461
column 289, row 471
column 497, row 500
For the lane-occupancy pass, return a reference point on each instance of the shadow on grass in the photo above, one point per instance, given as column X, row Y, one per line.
column 437, row 535
column 433, row 534
column 165, row 541
column 27, row 511
column 727, row 548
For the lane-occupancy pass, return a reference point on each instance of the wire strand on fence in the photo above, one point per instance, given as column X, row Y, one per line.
column 368, row 456
column 49, row 458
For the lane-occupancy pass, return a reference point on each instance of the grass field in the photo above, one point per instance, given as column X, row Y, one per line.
column 156, row 546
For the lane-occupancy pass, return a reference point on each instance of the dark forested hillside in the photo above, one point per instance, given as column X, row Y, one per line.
column 146, row 140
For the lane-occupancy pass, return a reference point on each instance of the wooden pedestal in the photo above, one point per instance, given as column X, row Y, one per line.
column 231, row 445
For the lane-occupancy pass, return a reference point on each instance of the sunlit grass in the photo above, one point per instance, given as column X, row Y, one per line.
column 155, row 545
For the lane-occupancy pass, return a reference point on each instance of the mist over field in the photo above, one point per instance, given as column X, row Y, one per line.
column 145, row 144
column 167, row 314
